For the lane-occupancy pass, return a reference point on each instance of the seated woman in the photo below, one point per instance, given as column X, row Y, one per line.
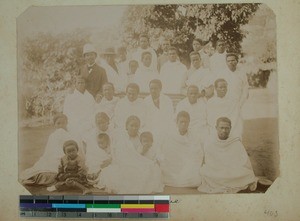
column 44, row 171
column 130, row 172
column 227, row 168
column 182, row 157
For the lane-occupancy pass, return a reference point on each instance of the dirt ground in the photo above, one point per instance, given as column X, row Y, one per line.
column 260, row 139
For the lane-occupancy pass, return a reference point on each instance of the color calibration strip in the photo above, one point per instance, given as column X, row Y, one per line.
column 147, row 206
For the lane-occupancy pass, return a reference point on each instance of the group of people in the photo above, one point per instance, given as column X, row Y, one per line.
column 132, row 145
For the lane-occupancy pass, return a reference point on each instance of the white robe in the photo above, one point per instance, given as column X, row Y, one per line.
column 218, row 63
column 137, row 55
column 107, row 106
column 143, row 77
column 113, row 77
column 125, row 108
column 130, row 172
column 198, row 77
column 224, row 107
column 181, row 161
column 80, row 110
column 173, row 77
column 227, row 168
column 159, row 119
column 52, row 155
column 198, row 126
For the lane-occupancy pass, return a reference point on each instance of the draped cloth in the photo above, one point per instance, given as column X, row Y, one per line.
column 107, row 106
column 80, row 110
column 198, row 126
column 198, row 77
column 173, row 77
column 159, row 119
column 143, row 77
column 48, row 163
column 218, row 63
column 126, row 108
column 224, row 107
column 182, row 160
column 130, row 172
column 226, row 168
column 137, row 55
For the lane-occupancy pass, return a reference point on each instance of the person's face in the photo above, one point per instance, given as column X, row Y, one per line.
column 144, row 43
column 154, row 90
column 165, row 46
column 133, row 128
column 220, row 47
column 122, row 55
column 132, row 94
column 102, row 124
column 90, row 57
column 223, row 130
column 197, row 46
column 61, row 123
column 221, row 89
column 193, row 94
column 196, row 61
column 108, row 91
column 172, row 55
column 102, row 143
column 146, row 143
column 231, row 62
column 183, row 125
column 147, row 59
column 80, row 85
column 133, row 67
column 71, row 152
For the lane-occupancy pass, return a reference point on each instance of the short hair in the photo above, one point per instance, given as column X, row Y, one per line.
column 146, row 134
column 145, row 53
column 144, row 36
column 218, row 81
column 199, row 40
column 195, row 53
column 110, row 84
column 102, row 115
column 183, row 114
column 132, row 118
column 58, row 116
column 69, row 143
column 156, row 81
column 104, row 136
column 172, row 48
column 133, row 60
column 232, row 54
column 133, row 86
column 193, row 86
column 223, row 119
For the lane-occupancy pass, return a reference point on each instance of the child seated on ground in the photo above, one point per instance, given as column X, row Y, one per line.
column 148, row 150
column 71, row 171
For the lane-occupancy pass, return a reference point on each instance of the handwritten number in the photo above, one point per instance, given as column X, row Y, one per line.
column 271, row 213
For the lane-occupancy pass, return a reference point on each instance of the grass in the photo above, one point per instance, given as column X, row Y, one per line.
column 260, row 140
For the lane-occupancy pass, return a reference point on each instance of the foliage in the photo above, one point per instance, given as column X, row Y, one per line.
column 49, row 64
column 182, row 23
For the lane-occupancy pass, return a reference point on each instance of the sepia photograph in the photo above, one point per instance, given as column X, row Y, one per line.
column 147, row 99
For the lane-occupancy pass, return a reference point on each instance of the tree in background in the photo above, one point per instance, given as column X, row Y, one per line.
column 48, row 66
column 182, row 23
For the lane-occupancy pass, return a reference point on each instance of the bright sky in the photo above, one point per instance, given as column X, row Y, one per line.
column 59, row 19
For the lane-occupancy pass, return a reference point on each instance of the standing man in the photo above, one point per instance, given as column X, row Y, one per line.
column 79, row 107
column 94, row 75
column 163, row 58
column 145, row 46
column 159, row 109
column 173, row 74
column 218, row 59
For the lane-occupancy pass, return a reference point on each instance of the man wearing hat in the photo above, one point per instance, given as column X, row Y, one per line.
column 94, row 75
column 111, row 68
